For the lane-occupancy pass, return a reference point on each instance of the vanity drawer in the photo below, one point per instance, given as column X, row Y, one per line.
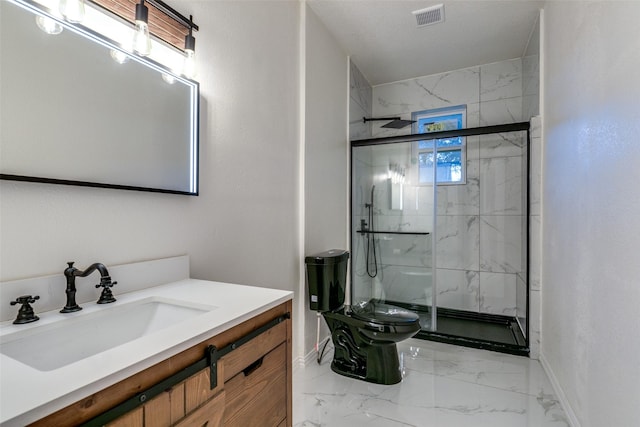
column 245, row 355
column 257, row 395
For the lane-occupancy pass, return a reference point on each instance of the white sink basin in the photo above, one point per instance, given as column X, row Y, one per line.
column 58, row 344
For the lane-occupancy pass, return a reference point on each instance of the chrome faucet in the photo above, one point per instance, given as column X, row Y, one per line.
column 105, row 282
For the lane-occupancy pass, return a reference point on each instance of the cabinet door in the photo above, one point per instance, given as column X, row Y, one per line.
column 191, row 403
column 166, row 409
column 134, row 418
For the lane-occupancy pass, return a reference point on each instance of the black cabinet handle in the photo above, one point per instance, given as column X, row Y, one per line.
column 253, row 367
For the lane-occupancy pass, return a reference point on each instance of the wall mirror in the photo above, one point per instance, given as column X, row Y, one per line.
column 70, row 114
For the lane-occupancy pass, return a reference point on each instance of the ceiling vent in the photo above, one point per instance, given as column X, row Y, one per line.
column 429, row 16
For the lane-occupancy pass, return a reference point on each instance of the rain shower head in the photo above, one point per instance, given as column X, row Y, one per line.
column 395, row 123
column 398, row 124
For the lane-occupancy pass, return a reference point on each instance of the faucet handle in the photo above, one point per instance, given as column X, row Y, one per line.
column 25, row 299
column 106, row 296
column 26, row 313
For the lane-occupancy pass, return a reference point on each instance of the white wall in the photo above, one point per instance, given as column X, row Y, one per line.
column 325, row 171
column 591, row 208
column 242, row 228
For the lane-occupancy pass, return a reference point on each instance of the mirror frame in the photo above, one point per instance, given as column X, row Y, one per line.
column 82, row 31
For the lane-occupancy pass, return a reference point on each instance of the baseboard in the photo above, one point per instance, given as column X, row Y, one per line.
column 562, row 398
column 311, row 357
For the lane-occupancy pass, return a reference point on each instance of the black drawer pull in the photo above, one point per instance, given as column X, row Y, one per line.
column 251, row 368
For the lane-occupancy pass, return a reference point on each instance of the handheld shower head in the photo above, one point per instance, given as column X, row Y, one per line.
column 370, row 205
column 370, row 249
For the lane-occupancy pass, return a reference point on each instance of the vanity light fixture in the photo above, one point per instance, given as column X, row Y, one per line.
column 141, row 37
column 72, row 10
column 189, row 68
column 171, row 29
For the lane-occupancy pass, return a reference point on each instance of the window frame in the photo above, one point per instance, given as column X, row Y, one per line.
column 440, row 113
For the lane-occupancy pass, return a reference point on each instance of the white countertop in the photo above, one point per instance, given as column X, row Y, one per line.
column 28, row 394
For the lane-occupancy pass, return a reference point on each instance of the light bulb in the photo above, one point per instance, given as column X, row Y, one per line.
column 189, row 67
column 141, row 38
column 48, row 25
column 72, row 10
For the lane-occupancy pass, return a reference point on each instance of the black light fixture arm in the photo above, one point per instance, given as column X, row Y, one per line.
column 171, row 12
column 142, row 12
column 189, row 40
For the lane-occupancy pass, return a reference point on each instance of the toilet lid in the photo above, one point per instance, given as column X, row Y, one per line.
column 376, row 312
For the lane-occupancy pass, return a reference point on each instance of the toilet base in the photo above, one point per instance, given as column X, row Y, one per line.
column 360, row 358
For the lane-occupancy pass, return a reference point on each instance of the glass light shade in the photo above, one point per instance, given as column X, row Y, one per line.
column 141, row 39
column 48, row 25
column 72, row 10
column 189, row 67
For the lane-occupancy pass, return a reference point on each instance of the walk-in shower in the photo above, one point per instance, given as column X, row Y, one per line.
column 445, row 234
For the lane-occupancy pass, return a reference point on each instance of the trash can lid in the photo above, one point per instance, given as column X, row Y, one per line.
column 332, row 256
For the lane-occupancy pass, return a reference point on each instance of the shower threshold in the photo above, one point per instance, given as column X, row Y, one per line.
column 469, row 329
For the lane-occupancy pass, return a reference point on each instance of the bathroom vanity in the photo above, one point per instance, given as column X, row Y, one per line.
column 225, row 360
column 253, row 385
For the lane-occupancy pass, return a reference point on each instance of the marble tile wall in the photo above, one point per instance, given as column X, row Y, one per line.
column 531, row 86
column 460, row 87
column 531, row 76
column 360, row 104
column 535, row 246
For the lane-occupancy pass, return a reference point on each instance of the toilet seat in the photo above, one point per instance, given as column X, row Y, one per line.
column 383, row 314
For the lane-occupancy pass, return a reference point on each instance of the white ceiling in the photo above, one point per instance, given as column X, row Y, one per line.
column 383, row 40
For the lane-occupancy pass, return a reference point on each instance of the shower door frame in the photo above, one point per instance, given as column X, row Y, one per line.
column 433, row 335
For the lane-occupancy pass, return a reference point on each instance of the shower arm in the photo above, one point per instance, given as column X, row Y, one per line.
column 375, row 119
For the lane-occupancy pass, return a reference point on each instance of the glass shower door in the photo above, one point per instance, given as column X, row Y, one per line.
column 392, row 222
column 481, row 255
column 440, row 227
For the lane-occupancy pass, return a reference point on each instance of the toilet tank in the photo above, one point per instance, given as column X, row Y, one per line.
column 327, row 279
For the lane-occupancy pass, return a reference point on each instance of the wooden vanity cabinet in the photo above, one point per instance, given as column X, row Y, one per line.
column 253, row 385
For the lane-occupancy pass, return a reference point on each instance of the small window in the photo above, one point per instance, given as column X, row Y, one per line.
column 451, row 152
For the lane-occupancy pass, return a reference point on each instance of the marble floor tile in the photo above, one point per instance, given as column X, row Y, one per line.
column 443, row 386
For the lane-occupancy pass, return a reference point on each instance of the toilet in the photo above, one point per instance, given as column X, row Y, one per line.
column 364, row 335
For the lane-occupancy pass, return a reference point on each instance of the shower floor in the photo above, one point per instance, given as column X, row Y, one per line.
column 469, row 329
